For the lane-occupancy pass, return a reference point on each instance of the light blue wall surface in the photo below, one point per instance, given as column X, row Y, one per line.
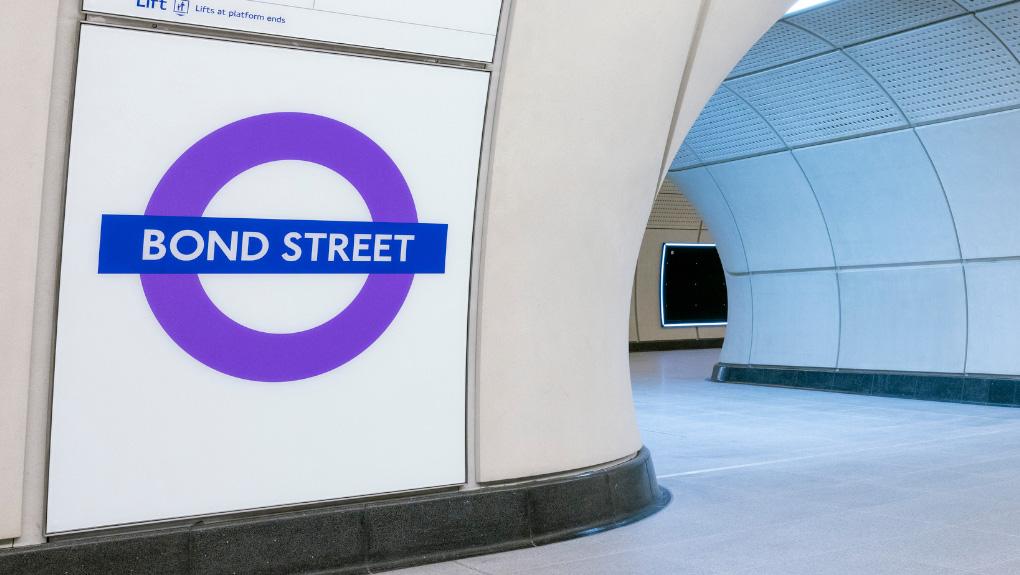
column 860, row 171
column 798, row 318
column 766, row 189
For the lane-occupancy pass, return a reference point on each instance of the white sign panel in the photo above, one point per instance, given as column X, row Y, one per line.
column 463, row 29
column 264, row 282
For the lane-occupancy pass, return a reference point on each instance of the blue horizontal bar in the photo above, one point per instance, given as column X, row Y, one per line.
column 132, row 244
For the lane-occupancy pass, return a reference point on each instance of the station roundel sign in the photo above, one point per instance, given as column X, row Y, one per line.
column 180, row 303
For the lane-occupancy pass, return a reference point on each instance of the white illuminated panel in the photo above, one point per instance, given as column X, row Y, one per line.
column 143, row 429
column 464, row 29
column 662, row 288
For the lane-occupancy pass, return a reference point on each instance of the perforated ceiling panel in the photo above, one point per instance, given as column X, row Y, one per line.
column 672, row 210
column 781, row 44
column 980, row 4
column 852, row 21
column 729, row 128
column 820, row 99
column 1005, row 22
column 944, row 70
column 685, row 158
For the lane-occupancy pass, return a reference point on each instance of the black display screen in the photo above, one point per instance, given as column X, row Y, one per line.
column 693, row 288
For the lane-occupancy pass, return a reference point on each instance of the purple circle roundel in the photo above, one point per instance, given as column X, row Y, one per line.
column 181, row 304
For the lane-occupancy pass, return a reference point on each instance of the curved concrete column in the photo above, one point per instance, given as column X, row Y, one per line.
column 594, row 96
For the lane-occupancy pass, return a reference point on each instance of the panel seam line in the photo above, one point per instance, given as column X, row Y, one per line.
column 821, row 214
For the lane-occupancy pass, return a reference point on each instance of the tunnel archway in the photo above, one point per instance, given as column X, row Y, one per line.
column 855, row 170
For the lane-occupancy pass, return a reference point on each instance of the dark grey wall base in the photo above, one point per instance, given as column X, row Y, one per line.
column 366, row 537
column 986, row 390
column 670, row 345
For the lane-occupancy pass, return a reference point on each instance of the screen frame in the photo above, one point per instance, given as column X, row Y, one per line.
column 662, row 288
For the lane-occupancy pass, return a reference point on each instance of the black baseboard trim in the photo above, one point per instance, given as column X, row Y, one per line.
column 674, row 344
column 367, row 537
column 954, row 388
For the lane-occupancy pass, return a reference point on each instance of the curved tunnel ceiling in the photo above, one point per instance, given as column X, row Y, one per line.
column 857, row 67
column 856, row 169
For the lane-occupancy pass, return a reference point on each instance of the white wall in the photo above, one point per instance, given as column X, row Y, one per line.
column 27, row 41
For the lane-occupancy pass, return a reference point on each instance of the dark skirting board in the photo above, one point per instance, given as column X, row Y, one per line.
column 366, row 537
column 980, row 389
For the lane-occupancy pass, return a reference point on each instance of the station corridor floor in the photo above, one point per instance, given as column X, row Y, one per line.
column 781, row 481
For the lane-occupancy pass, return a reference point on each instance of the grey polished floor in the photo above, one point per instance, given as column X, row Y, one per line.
column 779, row 481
